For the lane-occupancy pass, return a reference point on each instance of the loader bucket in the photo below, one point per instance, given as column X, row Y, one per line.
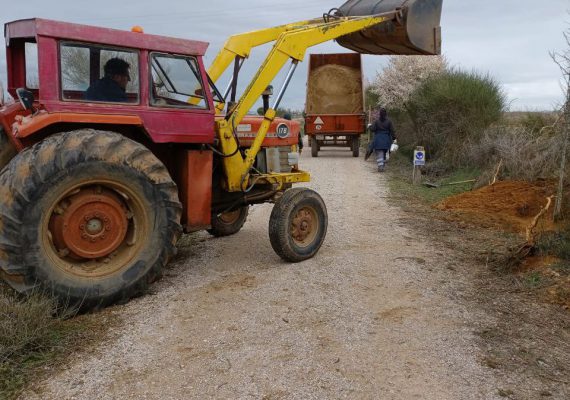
column 416, row 31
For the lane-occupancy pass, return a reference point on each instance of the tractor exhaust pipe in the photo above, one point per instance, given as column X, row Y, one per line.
column 415, row 29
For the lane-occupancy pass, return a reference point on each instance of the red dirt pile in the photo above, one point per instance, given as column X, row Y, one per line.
column 509, row 205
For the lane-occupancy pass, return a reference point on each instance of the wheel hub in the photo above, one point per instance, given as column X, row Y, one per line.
column 302, row 226
column 229, row 217
column 89, row 224
column 94, row 226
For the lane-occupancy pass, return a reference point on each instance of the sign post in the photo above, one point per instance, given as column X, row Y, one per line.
column 419, row 161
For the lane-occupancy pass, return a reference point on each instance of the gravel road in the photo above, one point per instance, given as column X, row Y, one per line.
column 372, row 316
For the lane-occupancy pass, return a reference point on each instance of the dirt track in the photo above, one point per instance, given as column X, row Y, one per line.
column 373, row 316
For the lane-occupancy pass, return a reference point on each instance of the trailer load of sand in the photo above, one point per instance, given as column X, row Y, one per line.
column 334, row 89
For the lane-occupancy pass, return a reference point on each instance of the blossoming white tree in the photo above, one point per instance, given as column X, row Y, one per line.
column 402, row 76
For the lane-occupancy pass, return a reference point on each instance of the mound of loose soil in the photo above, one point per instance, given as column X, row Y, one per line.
column 512, row 206
column 509, row 205
column 334, row 89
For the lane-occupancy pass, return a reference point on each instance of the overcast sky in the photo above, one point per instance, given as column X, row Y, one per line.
column 510, row 39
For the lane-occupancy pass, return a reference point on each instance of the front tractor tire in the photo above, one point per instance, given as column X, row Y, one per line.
column 228, row 223
column 298, row 224
column 88, row 216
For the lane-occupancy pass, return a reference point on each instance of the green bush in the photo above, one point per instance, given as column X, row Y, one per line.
column 453, row 109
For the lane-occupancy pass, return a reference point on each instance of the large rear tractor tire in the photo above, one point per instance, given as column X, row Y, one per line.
column 228, row 223
column 355, row 146
column 298, row 224
column 314, row 147
column 88, row 216
column 7, row 149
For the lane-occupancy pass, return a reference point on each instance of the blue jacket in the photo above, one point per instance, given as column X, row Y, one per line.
column 106, row 89
column 383, row 134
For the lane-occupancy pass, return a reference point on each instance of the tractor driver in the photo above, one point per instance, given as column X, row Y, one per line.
column 113, row 86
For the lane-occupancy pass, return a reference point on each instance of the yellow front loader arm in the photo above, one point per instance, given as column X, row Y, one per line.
column 291, row 44
column 240, row 45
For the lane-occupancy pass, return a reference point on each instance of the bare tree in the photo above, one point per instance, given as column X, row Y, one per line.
column 563, row 61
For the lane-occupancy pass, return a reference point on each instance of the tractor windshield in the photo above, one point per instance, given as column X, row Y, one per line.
column 176, row 82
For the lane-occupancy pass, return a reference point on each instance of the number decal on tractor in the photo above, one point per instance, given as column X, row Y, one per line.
column 282, row 131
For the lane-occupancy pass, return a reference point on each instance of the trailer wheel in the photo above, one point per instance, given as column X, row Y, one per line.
column 314, row 147
column 88, row 216
column 355, row 145
column 7, row 149
column 298, row 224
column 228, row 223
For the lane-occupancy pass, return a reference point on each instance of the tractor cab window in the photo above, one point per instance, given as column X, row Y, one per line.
column 99, row 74
column 176, row 82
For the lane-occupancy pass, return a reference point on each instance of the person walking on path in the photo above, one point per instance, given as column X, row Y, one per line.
column 384, row 136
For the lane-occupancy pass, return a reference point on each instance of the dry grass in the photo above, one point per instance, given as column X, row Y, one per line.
column 524, row 153
column 35, row 332
column 24, row 323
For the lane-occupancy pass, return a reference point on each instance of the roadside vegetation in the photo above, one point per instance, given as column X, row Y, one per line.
column 489, row 193
column 36, row 333
column 471, row 140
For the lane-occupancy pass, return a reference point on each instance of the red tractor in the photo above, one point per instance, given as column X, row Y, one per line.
column 120, row 141
column 95, row 193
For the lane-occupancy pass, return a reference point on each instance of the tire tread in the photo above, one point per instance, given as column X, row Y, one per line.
column 31, row 168
column 279, row 222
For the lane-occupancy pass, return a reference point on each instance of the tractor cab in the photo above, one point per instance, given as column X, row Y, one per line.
column 147, row 86
column 68, row 69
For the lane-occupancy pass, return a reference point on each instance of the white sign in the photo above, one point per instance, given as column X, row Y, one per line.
column 419, row 157
column 319, row 121
column 244, row 128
